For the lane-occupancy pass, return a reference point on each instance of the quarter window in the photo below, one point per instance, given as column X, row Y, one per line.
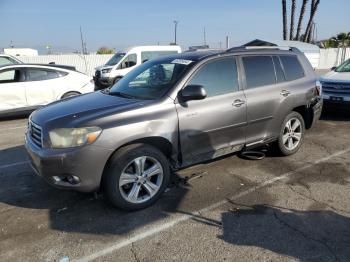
column 10, row 76
column 34, row 74
column 259, row 71
column 292, row 67
column 217, row 77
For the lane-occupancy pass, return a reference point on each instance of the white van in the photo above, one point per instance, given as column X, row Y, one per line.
column 122, row 63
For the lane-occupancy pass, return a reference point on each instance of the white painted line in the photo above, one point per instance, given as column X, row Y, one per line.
column 15, row 164
column 162, row 227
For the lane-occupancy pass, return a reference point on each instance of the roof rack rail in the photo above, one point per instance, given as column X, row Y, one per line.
column 242, row 48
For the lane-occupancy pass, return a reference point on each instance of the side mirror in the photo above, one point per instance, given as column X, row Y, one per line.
column 333, row 68
column 192, row 92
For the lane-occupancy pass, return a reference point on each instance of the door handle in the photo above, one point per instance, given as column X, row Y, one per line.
column 238, row 103
column 285, row 93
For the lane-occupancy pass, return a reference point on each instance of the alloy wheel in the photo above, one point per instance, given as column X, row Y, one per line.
column 292, row 133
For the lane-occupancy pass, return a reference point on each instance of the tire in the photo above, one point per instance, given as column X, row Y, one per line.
column 291, row 134
column 122, row 177
column 70, row 94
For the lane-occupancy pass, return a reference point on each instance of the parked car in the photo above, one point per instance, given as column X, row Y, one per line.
column 336, row 85
column 25, row 87
column 122, row 63
column 9, row 60
column 170, row 113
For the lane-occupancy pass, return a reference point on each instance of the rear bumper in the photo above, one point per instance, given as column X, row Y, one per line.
column 87, row 163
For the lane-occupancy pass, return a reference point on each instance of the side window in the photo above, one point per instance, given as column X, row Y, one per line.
column 259, row 71
column 292, row 67
column 129, row 61
column 217, row 77
column 35, row 74
column 10, row 76
column 148, row 55
column 279, row 71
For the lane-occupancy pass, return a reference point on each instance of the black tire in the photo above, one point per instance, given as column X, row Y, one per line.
column 280, row 145
column 70, row 94
column 121, row 160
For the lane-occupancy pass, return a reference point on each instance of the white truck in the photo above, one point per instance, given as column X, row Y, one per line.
column 122, row 63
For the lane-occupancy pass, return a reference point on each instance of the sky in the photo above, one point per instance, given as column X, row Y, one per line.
column 120, row 24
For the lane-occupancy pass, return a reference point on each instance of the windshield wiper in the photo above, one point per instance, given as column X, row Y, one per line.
column 122, row 95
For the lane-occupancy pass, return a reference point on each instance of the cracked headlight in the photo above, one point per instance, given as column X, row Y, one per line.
column 73, row 137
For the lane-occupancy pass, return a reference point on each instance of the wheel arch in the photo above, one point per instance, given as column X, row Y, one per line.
column 306, row 113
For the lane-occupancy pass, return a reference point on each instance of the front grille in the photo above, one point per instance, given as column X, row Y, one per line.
column 336, row 88
column 35, row 133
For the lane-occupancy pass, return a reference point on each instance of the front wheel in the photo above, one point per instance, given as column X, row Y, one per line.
column 291, row 134
column 136, row 177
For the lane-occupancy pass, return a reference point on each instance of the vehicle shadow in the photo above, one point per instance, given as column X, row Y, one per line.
column 335, row 113
column 313, row 235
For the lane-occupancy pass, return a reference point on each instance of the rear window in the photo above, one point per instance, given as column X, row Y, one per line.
column 259, row 71
column 292, row 67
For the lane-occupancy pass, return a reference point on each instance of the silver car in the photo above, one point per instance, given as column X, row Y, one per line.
column 170, row 113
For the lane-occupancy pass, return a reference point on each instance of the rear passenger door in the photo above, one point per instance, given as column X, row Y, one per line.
column 215, row 125
column 41, row 84
column 264, row 96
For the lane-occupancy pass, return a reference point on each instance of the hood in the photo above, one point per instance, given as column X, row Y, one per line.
column 343, row 77
column 78, row 110
column 103, row 67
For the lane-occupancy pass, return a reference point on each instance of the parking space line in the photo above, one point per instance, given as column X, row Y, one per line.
column 162, row 227
column 5, row 129
column 15, row 164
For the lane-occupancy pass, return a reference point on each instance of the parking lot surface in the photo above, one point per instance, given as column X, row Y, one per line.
column 293, row 208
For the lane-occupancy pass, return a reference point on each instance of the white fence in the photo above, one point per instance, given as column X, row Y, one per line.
column 87, row 63
column 83, row 63
column 333, row 57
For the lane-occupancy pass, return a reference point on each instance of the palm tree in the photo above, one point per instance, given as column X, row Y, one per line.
column 292, row 15
column 301, row 16
column 284, row 14
column 308, row 31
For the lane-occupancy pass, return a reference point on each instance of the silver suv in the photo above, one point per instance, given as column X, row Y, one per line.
column 172, row 112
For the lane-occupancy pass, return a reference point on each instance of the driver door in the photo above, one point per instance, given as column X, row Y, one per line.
column 216, row 125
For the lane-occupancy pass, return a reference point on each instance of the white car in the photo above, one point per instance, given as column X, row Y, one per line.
column 336, row 84
column 25, row 87
column 122, row 63
column 9, row 60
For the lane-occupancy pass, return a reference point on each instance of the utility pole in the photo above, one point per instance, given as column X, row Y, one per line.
column 175, row 23
column 204, row 37
column 227, row 42
column 83, row 44
column 11, row 44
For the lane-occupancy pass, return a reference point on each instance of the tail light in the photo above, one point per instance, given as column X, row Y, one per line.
column 318, row 88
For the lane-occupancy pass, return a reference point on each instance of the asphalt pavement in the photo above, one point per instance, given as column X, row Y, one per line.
column 292, row 208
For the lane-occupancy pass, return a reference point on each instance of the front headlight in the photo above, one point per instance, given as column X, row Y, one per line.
column 72, row 137
column 104, row 71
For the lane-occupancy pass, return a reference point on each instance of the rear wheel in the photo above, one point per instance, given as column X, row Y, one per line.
column 291, row 134
column 136, row 177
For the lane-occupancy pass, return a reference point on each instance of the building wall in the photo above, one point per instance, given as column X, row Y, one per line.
column 87, row 63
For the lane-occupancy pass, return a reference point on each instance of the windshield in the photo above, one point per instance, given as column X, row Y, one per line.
column 152, row 79
column 115, row 59
column 344, row 67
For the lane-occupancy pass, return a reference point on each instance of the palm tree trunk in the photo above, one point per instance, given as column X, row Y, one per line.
column 307, row 35
column 301, row 16
column 292, row 16
column 284, row 14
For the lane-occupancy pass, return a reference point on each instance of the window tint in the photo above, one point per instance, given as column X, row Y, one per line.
column 34, row 74
column 9, row 76
column 279, row 71
column 217, row 77
column 292, row 67
column 259, row 71
column 148, row 55
column 129, row 61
